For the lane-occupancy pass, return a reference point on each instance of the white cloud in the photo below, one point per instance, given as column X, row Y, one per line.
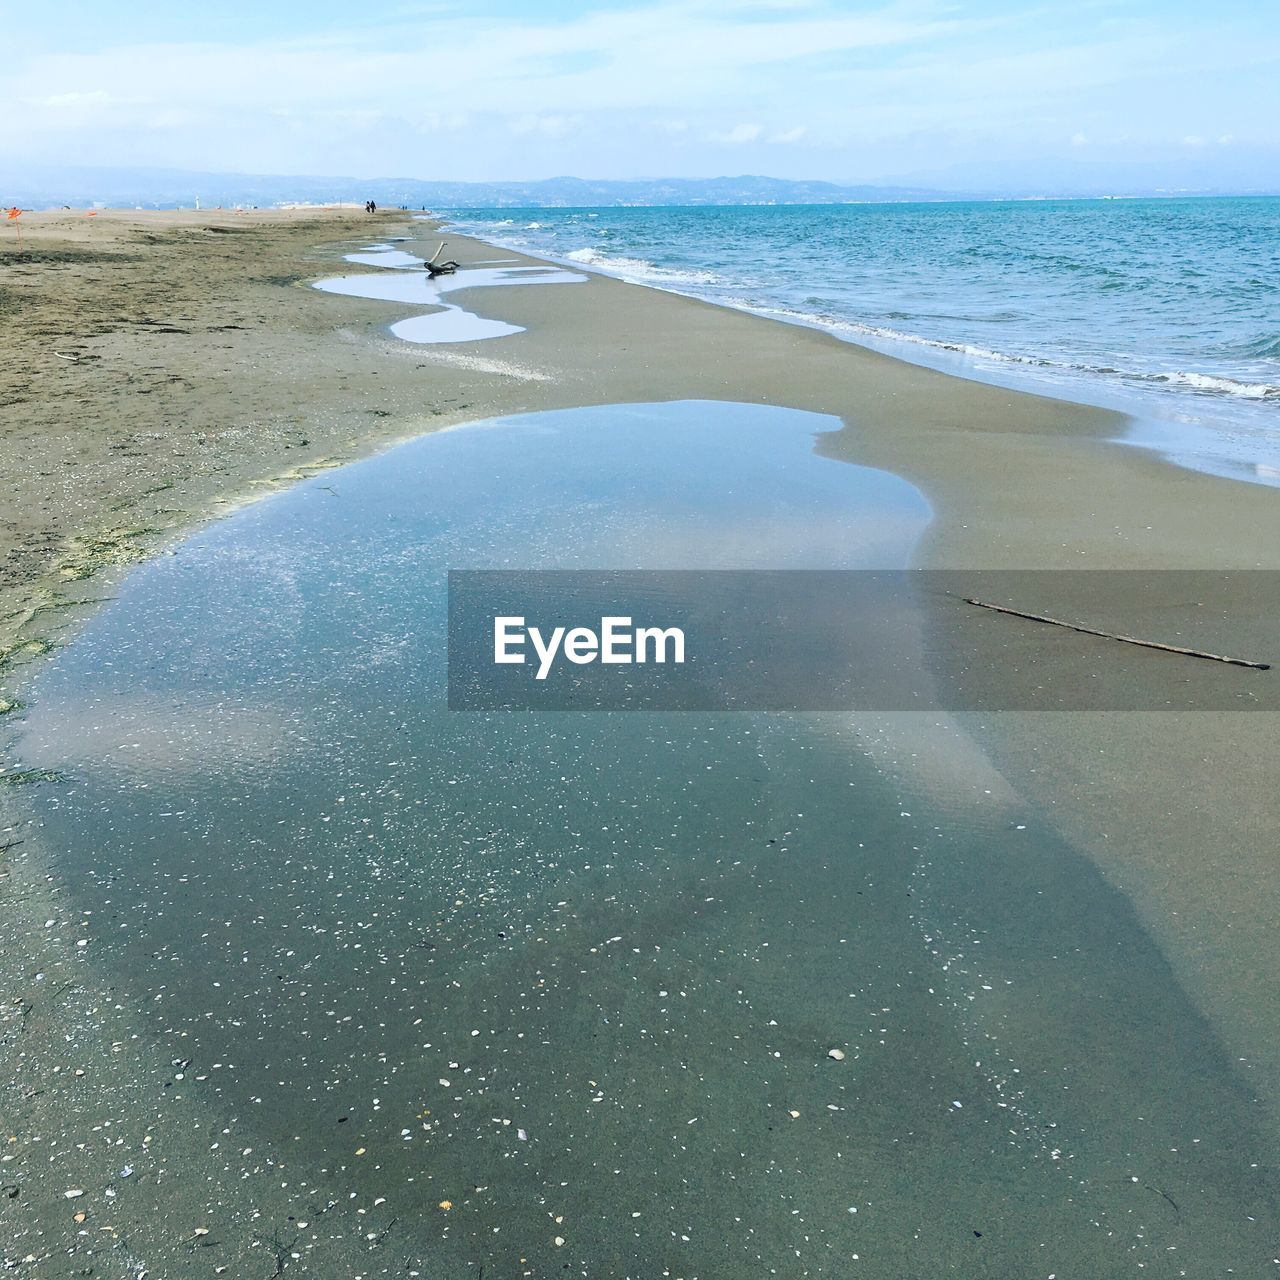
column 739, row 134
column 629, row 90
column 546, row 126
column 76, row 98
column 699, row 53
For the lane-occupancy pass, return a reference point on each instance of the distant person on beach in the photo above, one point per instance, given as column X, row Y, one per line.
column 373, row 206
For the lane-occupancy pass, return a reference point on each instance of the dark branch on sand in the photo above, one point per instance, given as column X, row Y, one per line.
column 435, row 268
column 1111, row 635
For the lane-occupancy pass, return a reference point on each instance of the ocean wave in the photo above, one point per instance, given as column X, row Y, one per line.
column 1222, row 386
column 1202, row 382
column 1264, row 347
column 839, row 325
column 639, row 268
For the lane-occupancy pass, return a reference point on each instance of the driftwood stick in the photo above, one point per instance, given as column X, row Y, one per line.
column 438, row 252
column 1111, row 635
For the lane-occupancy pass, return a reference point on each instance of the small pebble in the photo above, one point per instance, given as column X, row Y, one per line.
column 837, row 1054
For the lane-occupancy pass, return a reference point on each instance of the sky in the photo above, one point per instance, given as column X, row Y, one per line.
column 962, row 94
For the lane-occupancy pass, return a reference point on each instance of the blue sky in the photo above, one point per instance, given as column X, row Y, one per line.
column 955, row 93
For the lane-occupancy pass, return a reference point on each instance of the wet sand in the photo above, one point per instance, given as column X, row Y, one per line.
column 204, row 369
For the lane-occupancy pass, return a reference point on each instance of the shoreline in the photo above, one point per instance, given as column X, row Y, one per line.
column 1188, row 431
column 1015, row 480
column 73, row 555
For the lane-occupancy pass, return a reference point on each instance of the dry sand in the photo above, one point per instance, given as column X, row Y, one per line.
column 157, row 369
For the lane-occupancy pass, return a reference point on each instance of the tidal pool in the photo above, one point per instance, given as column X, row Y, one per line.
column 408, row 281
column 613, row 994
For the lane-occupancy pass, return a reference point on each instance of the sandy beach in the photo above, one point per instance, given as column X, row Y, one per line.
column 159, row 370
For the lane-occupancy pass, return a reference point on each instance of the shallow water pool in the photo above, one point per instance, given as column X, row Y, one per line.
column 629, row 994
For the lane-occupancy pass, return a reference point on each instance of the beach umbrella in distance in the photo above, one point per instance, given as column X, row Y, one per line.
column 14, row 214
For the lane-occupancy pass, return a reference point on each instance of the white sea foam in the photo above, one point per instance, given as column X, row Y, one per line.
column 638, row 269
column 1196, row 381
column 832, row 324
column 1223, row 386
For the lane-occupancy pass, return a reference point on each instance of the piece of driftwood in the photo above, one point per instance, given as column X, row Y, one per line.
column 435, row 268
column 1111, row 635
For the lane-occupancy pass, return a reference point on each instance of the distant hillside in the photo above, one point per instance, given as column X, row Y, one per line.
column 579, row 192
column 40, row 186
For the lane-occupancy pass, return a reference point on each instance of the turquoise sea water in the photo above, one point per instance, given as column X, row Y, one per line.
column 1167, row 309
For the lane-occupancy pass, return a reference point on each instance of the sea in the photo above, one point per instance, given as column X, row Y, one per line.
column 1165, row 309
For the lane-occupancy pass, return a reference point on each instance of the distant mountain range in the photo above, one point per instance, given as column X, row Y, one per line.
column 581, row 192
column 40, row 186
